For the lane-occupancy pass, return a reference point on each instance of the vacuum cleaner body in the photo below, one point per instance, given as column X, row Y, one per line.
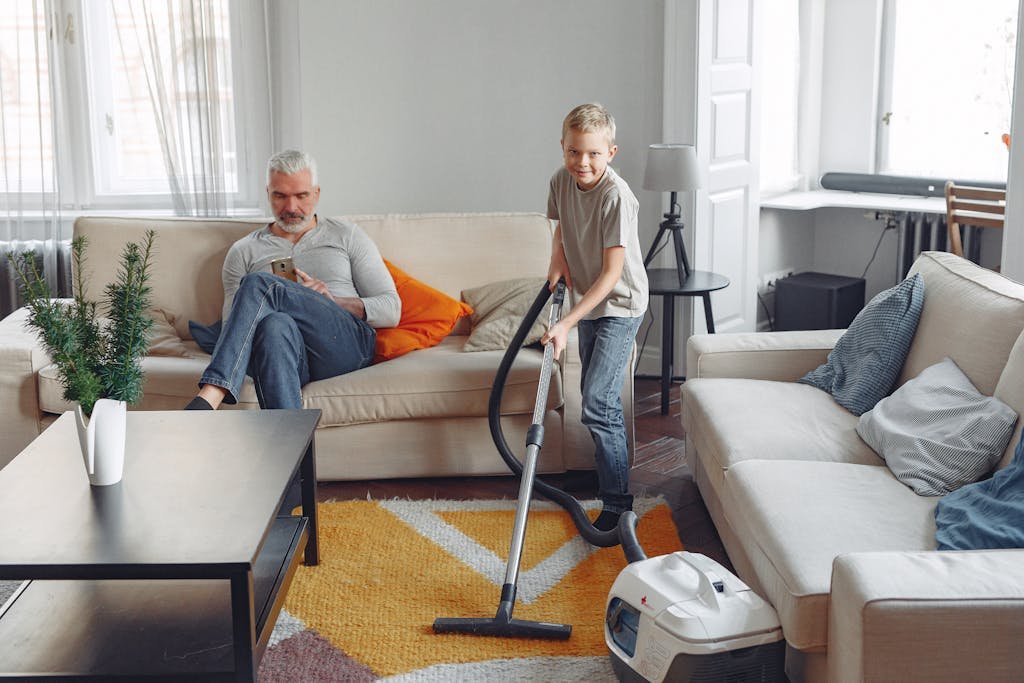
column 684, row 617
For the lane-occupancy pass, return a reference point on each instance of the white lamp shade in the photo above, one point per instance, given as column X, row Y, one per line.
column 671, row 168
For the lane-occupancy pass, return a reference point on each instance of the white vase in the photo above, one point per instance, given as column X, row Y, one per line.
column 101, row 437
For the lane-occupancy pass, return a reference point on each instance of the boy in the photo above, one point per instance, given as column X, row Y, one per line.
column 596, row 249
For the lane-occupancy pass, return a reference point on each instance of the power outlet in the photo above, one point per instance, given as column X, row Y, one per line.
column 768, row 280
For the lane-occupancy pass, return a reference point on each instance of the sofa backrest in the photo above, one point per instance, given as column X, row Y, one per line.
column 971, row 314
column 450, row 252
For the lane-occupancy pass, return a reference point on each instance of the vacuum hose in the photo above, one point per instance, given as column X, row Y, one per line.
column 626, row 530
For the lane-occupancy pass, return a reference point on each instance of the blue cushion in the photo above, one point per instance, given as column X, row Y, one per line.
column 867, row 359
column 205, row 336
column 986, row 514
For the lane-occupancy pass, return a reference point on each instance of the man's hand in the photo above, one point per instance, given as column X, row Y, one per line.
column 307, row 280
column 352, row 304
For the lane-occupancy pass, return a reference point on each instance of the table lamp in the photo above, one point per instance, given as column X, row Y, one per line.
column 672, row 168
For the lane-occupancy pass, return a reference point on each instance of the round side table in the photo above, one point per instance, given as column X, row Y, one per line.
column 664, row 282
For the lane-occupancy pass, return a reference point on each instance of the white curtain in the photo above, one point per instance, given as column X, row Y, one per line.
column 30, row 146
column 186, row 73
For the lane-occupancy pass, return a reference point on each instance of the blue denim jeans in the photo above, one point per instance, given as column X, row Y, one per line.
column 605, row 345
column 284, row 336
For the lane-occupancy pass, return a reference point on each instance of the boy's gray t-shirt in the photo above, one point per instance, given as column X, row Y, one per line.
column 594, row 220
column 338, row 252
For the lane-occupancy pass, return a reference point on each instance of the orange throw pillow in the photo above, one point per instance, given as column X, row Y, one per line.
column 428, row 316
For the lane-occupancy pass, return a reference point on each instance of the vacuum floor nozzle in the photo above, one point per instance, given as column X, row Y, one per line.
column 511, row 628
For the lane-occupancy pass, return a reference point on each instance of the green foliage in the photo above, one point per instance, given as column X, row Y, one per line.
column 95, row 359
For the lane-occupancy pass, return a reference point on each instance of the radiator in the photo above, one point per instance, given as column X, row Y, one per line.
column 50, row 255
column 928, row 232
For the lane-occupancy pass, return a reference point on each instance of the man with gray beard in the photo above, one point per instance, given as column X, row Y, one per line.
column 284, row 333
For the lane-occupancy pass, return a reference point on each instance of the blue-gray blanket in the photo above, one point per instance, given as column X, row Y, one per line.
column 985, row 514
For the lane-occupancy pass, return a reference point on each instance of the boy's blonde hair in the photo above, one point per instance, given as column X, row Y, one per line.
column 590, row 118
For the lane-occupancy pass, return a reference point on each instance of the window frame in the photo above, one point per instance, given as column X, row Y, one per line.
column 67, row 34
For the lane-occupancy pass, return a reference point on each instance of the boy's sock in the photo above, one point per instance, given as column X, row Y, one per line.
column 607, row 520
column 198, row 403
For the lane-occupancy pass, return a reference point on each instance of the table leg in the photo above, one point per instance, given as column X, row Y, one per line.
column 668, row 332
column 708, row 317
column 307, row 469
column 243, row 620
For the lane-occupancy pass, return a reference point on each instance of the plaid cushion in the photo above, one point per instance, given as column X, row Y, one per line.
column 867, row 359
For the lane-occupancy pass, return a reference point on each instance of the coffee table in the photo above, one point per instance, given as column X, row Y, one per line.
column 177, row 572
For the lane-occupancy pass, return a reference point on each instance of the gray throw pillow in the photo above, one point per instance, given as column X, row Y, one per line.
column 937, row 432
column 498, row 309
column 867, row 359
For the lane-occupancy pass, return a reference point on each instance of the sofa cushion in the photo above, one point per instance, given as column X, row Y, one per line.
column 428, row 316
column 971, row 314
column 986, row 514
column 498, row 310
column 936, row 432
column 438, row 382
column 866, row 360
column 794, row 518
column 745, row 419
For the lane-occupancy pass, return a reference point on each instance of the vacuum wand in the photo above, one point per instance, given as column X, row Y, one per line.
column 503, row 624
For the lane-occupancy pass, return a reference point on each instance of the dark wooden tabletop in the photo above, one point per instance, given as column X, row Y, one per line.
column 198, row 493
column 666, row 281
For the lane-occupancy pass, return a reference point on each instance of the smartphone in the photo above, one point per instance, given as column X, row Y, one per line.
column 284, row 267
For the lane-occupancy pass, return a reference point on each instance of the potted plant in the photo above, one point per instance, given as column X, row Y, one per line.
column 98, row 358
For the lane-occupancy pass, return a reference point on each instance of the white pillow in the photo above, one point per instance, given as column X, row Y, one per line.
column 936, row 432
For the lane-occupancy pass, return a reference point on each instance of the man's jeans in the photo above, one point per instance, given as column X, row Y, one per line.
column 284, row 336
column 605, row 345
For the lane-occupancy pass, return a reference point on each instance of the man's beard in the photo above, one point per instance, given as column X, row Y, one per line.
column 292, row 228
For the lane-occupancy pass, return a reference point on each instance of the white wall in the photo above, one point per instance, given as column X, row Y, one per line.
column 456, row 105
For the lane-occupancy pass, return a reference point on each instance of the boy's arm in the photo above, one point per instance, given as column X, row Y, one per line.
column 611, row 271
column 559, row 267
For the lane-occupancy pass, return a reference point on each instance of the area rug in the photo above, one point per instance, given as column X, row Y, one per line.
column 389, row 568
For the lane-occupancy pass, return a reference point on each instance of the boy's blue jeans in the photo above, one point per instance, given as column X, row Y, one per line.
column 284, row 336
column 605, row 345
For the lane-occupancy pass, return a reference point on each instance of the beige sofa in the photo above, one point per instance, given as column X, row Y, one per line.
column 815, row 522
column 422, row 414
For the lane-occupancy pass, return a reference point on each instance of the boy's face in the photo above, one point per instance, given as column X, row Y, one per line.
column 586, row 156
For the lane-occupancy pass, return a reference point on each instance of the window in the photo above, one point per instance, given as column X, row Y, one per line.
column 127, row 156
column 780, row 82
column 27, row 141
column 947, row 88
column 122, row 100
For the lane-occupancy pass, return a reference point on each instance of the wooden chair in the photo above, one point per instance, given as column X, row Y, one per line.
column 980, row 206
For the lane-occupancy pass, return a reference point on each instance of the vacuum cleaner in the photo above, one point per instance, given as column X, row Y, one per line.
column 678, row 617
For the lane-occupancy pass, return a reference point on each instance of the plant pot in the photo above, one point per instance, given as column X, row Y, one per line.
column 102, row 440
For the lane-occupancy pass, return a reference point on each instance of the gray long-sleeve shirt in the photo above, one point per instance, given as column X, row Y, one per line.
column 337, row 252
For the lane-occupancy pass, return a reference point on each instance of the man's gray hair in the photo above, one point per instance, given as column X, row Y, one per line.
column 292, row 161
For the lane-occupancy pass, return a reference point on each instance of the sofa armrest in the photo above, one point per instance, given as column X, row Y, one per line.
column 21, row 357
column 927, row 616
column 779, row 356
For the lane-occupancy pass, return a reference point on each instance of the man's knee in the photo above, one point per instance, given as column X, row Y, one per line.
column 276, row 329
column 258, row 280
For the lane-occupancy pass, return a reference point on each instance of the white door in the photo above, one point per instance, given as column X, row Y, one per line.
column 727, row 207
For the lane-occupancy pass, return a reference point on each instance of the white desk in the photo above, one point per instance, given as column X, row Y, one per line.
column 821, row 199
column 907, row 246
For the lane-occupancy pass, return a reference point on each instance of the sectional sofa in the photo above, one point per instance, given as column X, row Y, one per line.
column 814, row 520
column 421, row 414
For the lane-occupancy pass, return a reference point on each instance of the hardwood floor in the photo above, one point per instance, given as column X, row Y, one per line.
column 659, row 468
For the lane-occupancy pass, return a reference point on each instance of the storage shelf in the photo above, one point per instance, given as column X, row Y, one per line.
column 167, row 629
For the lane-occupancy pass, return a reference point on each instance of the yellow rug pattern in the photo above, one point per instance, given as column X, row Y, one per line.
column 389, row 568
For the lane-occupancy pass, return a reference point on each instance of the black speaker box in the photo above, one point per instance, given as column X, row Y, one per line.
column 817, row 301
